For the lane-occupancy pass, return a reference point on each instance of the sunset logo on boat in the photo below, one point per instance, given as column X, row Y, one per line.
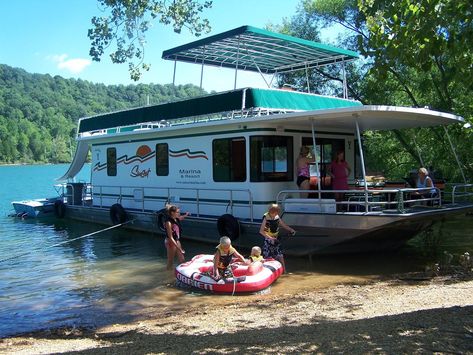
column 187, row 153
column 143, row 153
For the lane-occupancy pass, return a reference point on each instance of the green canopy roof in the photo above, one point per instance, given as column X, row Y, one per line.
column 253, row 49
column 238, row 100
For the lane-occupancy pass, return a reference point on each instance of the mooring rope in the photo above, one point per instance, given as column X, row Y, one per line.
column 67, row 241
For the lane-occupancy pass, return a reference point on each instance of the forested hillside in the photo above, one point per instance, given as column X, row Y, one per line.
column 39, row 113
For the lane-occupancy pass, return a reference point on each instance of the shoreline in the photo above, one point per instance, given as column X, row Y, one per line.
column 409, row 313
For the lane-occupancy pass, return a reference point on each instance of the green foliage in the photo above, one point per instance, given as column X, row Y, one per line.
column 39, row 113
column 127, row 22
column 415, row 54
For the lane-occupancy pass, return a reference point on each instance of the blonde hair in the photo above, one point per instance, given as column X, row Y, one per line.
column 225, row 241
column 274, row 207
column 256, row 251
column 423, row 171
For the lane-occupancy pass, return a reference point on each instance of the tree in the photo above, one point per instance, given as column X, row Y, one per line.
column 39, row 113
column 127, row 22
column 417, row 53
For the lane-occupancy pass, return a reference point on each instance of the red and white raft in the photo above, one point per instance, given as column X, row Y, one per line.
column 255, row 277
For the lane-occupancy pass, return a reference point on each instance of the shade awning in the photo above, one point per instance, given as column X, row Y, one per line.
column 368, row 117
column 253, row 49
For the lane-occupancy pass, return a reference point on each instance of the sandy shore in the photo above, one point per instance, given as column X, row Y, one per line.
column 403, row 315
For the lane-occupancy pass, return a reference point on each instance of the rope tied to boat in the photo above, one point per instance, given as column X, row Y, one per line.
column 67, row 241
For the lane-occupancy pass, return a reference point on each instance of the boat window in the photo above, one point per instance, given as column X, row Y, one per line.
column 162, row 159
column 271, row 158
column 112, row 161
column 229, row 159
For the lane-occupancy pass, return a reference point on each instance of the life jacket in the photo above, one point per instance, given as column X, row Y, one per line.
column 225, row 256
column 272, row 225
column 255, row 258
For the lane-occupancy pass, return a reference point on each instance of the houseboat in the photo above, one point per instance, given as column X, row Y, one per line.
column 225, row 157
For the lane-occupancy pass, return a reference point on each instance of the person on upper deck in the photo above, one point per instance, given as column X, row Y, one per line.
column 303, row 172
column 339, row 170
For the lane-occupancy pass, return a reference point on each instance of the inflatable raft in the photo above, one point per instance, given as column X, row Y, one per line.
column 197, row 273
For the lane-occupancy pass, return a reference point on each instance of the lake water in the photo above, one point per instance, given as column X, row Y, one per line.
column 113, row 276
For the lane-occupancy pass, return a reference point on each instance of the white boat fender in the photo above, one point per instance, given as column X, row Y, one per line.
column 162, row 217
column 59, row 209
column 228, row 226
column 118, row 214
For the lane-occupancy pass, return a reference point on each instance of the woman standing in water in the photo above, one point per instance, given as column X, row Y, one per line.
column 173, row 234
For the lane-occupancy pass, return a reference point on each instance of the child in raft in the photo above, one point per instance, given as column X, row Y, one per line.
column 270, row 231
column 255, row 255
column 223, row 257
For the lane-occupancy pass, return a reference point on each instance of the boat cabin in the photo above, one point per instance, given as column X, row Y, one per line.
column 225, row 157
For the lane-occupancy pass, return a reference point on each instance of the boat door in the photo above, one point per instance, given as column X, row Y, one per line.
column 326, row 148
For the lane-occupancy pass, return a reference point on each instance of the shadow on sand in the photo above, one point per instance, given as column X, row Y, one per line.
column 442, row 330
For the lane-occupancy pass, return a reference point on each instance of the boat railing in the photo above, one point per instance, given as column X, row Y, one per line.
column 397, row 200
column 461, row 192
column 146, row 198
column 75, row 193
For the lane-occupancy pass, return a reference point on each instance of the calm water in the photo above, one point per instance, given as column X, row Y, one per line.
column 113, row 276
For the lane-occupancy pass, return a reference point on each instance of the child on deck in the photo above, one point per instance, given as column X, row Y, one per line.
column 270, row 231
column 223, row 257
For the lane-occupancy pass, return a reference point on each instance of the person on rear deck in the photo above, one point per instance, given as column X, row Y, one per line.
column 270, row 231
column 339, row 170
column 303, row 172
column 223, row 257
column 424, row 181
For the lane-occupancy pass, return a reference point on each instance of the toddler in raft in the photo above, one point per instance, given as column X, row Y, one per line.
column 223, row 257
column 255, row 255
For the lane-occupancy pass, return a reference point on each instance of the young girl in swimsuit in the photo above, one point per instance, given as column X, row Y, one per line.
column 173, row 234
column 270, row 231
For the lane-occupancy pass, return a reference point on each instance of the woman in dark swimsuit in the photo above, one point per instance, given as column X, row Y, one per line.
column 173, row 234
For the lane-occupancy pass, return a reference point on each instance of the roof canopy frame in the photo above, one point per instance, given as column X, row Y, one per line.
column 252, row 49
